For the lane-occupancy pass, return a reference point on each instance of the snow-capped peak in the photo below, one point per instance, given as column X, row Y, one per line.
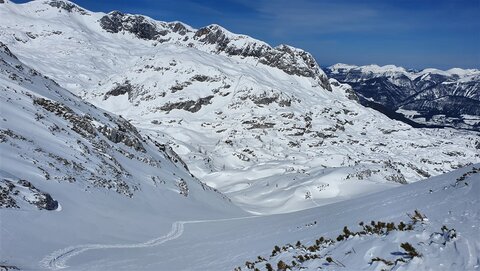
column 382, row 69
column 212, row 38
column 232, row 106
column 376, row 70
column 342, row 66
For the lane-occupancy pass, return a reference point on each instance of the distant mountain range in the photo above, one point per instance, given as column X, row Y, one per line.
column 256, row 122
column 128, row 143
column 428, row 98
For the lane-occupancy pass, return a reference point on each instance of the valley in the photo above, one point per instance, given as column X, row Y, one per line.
column 129, row 143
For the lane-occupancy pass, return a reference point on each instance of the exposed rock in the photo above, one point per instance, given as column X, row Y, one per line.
column 183, row 187
column 81, row 124
column 121, row 134
column 64, row 5
column 178, row 27
column 171, row 154
column 432, row 98
column 396, row 178
column 191, row 106
column 12, row 193
column 7, row 51
column 125, row 132
column 6, row 195
column 140, row 26
column 3, row 266
column 267, row 98
column 288, row 59
column 295, row 62
column 120, row 89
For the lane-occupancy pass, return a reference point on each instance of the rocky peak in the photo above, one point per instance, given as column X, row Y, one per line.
column 212, row 34
column 295, row 61
column 286, row 58
column 430, row 96
column 229, row 43
column 138, row 25
column 66, row 5
column 179, row 28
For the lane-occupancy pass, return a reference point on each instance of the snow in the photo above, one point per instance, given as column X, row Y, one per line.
column 45, row 140
column 182, row 245
column 370, row 70
column 342, row 66
column 284, row 158
column 392, row 70
column 297, row 160
column 383, row 69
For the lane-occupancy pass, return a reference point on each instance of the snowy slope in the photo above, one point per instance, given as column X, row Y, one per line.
column 430, row 96
column 261, row 124
column 83, row 189
column 449, row 200
column 66, row 164
column 430, row 225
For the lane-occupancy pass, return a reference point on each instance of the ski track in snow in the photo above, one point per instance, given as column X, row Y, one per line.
column 58, row 259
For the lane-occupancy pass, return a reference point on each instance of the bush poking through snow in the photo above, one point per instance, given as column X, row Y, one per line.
column 282, row 266
column 303, row 255
column 417, row 217
column 331, row 260
column 378, row 259
column 410, row 250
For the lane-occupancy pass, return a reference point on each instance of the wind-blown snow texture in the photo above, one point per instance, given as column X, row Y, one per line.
column 433, row 97
column 61, row 153
column 450, row 200
column 85, row 189
column 258, row 123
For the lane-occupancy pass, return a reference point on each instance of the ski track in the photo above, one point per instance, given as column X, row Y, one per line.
column 58, row 259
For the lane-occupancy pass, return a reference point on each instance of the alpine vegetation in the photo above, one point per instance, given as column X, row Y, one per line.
column 128, row 143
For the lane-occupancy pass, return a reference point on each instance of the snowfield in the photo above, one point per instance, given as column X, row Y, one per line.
column 66, row 164
column 133, row 144
column 225, row 244
column 261, row 124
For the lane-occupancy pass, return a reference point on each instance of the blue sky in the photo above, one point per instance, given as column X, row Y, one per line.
column 409, row 33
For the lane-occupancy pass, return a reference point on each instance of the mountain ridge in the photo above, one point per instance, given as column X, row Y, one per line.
column 123, row 152
column 78, row 144
column 252, row 130
column 430, row 97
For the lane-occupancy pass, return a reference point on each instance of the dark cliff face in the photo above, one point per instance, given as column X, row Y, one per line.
column 138, row 25
column 141, row 26
column 288, row 59
column 438, row 99
column 295, row 62
column 67, row 6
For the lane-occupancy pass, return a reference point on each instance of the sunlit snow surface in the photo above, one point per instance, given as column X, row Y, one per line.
column 272, row 142
column 40, row 240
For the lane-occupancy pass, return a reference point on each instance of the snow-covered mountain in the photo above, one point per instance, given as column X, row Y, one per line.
column 70, row 171
column 84, row 189
column 445, row 236
column 262, row 124
column 59, row 153
column 434, row 97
